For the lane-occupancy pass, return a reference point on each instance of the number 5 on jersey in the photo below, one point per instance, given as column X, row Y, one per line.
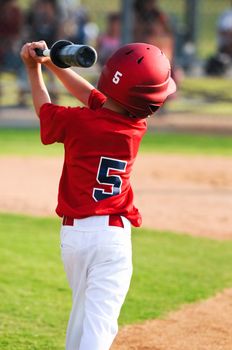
column 103, row 178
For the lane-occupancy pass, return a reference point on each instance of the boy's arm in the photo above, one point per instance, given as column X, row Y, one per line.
column 74, row 83
column 39, row 91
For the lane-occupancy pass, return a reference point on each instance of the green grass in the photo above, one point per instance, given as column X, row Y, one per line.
column 201, row 95
column 204, row 96
column 33, row 290
column 169, row 270
column 212, row 88
column 9, row 91
column 198, row 106
column 187, row 144
column 26, row 142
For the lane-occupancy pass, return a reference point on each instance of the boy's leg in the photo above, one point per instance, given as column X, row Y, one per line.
column 107, row 285
column 99, row 267
column 76, row 269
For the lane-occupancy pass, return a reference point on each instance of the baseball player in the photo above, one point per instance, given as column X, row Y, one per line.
column 95, row 199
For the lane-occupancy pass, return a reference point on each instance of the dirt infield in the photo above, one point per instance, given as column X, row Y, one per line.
column 185, row 194
column 202, row 326
column 176, row 193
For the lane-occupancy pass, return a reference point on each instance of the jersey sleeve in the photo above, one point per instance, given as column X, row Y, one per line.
column 96, row 99
column 53, row 123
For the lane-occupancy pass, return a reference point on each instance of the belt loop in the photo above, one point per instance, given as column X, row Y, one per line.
column 116, row 220
column 68, row 221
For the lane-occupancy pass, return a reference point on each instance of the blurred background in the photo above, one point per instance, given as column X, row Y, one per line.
column 182, row 177
column 196, row 35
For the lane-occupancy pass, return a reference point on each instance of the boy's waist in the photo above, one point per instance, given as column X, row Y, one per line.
column 95, row 221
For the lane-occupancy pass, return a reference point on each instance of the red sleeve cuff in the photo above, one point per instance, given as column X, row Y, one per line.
column 96, row 99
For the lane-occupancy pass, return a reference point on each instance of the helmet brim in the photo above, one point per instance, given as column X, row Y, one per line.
column 171, row 87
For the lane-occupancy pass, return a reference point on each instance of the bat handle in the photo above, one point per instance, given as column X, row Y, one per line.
column 39, row 52
column 42, row 53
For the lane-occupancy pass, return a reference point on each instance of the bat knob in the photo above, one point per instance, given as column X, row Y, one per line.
column 55, row 53
column 65, row 54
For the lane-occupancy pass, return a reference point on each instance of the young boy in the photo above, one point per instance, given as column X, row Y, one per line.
column 95, row 198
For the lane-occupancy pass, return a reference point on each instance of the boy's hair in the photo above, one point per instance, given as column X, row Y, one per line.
column 138, row 77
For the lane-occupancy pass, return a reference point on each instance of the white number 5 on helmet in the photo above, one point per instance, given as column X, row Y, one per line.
column 117, row 77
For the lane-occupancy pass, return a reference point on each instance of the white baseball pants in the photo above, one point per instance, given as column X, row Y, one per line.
column 98, row 262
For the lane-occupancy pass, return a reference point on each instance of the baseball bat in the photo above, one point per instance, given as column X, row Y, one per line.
column 65, row 54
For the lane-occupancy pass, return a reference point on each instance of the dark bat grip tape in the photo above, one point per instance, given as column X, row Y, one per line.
column 39, row 52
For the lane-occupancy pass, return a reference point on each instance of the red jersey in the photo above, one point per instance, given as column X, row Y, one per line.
column 100, row 149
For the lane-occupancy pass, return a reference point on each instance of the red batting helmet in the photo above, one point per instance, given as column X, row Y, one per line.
column 138, row 77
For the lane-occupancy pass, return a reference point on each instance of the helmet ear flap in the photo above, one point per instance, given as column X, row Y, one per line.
column 154, row 108
column 150, row 110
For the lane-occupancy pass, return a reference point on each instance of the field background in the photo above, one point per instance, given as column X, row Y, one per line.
column 208, row 14
column 171, row 269
column 183, row 186
column 26, row 142
column 35, row 299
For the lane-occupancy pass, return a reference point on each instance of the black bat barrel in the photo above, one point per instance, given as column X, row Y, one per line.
column 64, row 54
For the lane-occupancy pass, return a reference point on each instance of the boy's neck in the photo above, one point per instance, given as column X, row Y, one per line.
column 114, row 106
